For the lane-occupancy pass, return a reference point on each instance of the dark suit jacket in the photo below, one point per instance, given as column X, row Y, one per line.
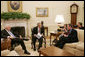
column 4, row 34
column 73, row 36
column 42, row 28
column 35, row 30
column 81, row 28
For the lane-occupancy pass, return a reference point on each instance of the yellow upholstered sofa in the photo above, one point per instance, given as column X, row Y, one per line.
column 77, row 48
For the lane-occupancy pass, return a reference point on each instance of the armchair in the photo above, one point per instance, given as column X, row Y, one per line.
column 44, row 40
column 5, row 44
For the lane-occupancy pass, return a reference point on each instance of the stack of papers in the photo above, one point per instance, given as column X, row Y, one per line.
column 38, row 35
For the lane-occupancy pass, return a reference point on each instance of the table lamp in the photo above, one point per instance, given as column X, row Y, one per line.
column 59, row 20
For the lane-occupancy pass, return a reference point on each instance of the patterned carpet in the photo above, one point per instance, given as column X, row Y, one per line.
column 19, row 50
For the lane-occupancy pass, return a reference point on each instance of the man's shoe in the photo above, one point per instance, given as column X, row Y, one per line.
column 11, row 49
column 26, row 52
column 34, row 49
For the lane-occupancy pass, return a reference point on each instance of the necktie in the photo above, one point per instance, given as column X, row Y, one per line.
column 39, row 30
column 12, row 34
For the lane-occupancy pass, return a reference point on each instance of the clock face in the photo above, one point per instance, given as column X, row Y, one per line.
column 74, row 9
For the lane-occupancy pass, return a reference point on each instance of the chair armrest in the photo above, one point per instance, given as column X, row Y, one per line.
column 6, row 44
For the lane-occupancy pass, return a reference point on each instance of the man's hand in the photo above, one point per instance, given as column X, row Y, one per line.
column 42, row 34
column 35, row 35
column 65, row 35
column 10, row 37
column 20, row 36
column 65, row 30
column 62, row 33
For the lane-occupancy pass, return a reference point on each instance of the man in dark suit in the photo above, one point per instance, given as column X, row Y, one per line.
column 7, row 33
column 42, row 27
column 37, row 30
column 71, row 37
column 80, row 26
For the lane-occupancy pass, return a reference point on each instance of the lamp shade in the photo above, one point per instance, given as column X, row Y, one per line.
column 59, row 19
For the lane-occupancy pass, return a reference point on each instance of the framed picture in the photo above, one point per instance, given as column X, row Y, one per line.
column 41, row 12
column 14, row 6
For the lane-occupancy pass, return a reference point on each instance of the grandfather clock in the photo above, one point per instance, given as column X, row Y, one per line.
column 74, row 11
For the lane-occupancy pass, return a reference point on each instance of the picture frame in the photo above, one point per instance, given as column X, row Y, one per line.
column 41, row 12
column 14, row 6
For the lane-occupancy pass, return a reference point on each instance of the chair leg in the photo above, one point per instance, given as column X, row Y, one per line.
column 45, row 43
column 31, row 45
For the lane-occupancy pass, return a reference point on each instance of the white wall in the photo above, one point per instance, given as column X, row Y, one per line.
column 55, row 8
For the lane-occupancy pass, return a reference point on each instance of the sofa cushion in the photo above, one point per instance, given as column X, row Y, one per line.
column 77, row 45
column 72, row 45
column 80, row 46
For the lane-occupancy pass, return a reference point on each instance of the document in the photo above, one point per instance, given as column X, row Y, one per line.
column 38, row 35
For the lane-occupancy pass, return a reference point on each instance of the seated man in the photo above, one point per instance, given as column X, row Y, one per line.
column 67, row 38
column 7, row 33
column 37, row 31
column 65, row 31
column 80, row 26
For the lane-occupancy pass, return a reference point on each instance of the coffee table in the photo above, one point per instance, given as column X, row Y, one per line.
column 53, row 51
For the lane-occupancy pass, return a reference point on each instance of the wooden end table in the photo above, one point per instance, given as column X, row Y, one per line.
column 54, row 34
column 53, row 51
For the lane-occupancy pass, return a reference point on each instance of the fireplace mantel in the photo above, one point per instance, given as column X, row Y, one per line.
column 17, row 23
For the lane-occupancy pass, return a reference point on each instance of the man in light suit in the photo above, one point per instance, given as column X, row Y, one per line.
column 7, row 33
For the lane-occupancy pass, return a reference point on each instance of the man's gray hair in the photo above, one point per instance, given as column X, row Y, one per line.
column 38, row 23
column 6, row 25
